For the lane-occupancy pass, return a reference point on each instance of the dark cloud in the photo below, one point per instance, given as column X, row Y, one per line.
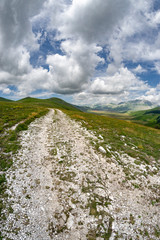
column 93, row 21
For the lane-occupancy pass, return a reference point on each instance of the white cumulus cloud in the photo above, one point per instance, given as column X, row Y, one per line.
column 91, row 34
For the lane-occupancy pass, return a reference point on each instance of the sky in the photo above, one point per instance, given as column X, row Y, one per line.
column 83, row 51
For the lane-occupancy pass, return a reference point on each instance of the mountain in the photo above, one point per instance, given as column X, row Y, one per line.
column 135, row 105
column 5, row 100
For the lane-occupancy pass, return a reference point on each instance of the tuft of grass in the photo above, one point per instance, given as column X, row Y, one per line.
column 108, row 234
column 93, row 208
column 67, row 176
column 132, row 220
column 157, row 232
column 2, row 179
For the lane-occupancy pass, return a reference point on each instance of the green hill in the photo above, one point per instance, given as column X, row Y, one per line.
column 5, row 100
column 149, row 118
column 50, row 103
column 28, row 100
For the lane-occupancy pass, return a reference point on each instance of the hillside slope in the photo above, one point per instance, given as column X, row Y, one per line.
column 51, row 102
column 149, row 118
column 5, row 100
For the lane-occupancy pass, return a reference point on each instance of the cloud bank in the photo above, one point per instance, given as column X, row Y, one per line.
column 97, row 50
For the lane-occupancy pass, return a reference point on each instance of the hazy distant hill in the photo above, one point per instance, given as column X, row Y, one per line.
column 135, row 105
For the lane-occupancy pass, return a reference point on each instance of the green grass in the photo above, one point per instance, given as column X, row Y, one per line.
column 149, row 118
column 123, row 136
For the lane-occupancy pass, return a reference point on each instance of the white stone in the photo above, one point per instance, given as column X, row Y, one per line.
column 70, row 222
column 100, row 136
column 102, row 150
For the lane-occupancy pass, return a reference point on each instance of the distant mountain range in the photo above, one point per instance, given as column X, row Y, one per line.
column 135, row 105
column 123, row 107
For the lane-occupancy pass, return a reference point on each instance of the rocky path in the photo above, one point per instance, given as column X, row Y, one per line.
column 61, row 188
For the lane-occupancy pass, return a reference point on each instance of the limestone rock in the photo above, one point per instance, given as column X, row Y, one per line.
column 102, row 150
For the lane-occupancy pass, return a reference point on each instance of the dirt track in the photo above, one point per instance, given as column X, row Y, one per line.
column 61, row 188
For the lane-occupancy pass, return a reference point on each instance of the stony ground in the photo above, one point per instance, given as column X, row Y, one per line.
column 61, row 188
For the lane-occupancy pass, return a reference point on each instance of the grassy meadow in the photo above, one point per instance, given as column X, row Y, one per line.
column 115, row 135
column 150, row 118
column 122, row 116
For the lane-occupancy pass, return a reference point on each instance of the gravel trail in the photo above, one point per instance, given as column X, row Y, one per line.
column 61, row 188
